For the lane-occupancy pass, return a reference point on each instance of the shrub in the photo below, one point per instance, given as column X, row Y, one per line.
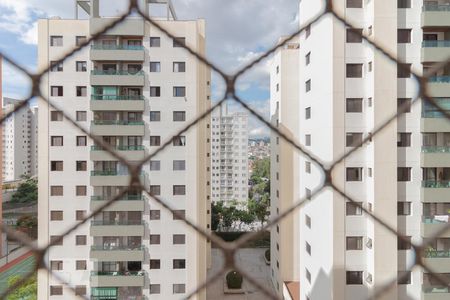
column 267, row 254
column 234, row 280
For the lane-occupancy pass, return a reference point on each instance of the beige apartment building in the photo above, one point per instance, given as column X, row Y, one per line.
column 134, row 88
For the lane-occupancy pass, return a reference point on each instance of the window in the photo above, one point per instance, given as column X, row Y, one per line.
column 56, row 215
column 404, row 208
column 155, row 91
column 179, row 165
column 308, row 167
column 155, row 140
column 56, row 91
column 354, row 277
column 308, row 113
column 81, row 116
column 403, row 3
column 81, row 140
column 404, row 105
column 403, row 70
column 354, row 4
column 179, row 264
column 155, row 66
column 179, row 190
column 179, row 214
column 308, row 248
column 81, row 66
column 56, row 240
column 370, row 30
column 155, row 116
column 404, row 36
column 308, row 275
column 354, row 35
column 155, row 165
column 155, row 190
column 403, row 139
column 308, row 85
column 55, row 67
column 81, row 165
column 155, row 264
column 354, row 242
column 80, row 190
column 155, row 288
column 80, row 215
column 308, row 221
column 307, row 140
column 56, row 41
column 354, row 174
column 179, row 140
column 354, row 70
column 403, row 174
column 404, row 243
column 80, row 265
column 80, row 290
column 179, row 239
column 308, row 58
column 404, row 277
column 179, row 116
column 353, row 105
column 155, row 214
column 56, row 190
column 80, row 240
column 179, row 42
column 179, row 91
column 307, row 31
column 179, row 67
column 56, row 290
column 353, row 139
column 81, row 91
column 155, row 42
column 56, row 165
column 79, row 40
column 369, row 66
column 155, row 239
column 353, row 209
column 56, row 115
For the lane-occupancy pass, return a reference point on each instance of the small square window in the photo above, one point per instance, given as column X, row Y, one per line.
column 80, row 215
column 155, row 264
column 354, row 277
column 403, row 70
column 81, row 66
column 55, row 67
column 56, row 190
column 81, row 165
column 404, row 208
column 80, row 290
column 155, row 165
column 56, row 290
column 56, row 41
column 56, row 165
column 155, row 42
column 354, row 35
column 155, row 116
column 81, row 140
column 354, row 242
column 354, row 139
column 179, row 239
column 80, row 265
column 403, row 3
column 179, row 165
column 403, row 174
column 353, row 105
column 308, row 221
column 179, row 141
column 155, row 214
column 403, row 139
column 56, row 240
column 56, row 91
column 155, row 190
column 179, row 190
column 179, row 67
column 354, row 70
column 56, row 115
column 80, row 240
column 80, row 190
column 308, row 58
column 308, row 113
column 354, row 3
column 404, row 36
column 307, row 140
column 179, row 214
column 155, row 239
column 404, row 277
column 354, row 174
column 179, row 116
column 155, row 66
column 56, row 215
column 81, row 116
column 404, row 243
column 179, row 91
column 308, row 85
column 404, row 105
column 353, row 209
column 179, row 264
column 155, row 140
column 81, row 91
column 79, row 40
column 155, row 91
column 155, row 288
column 179, row 42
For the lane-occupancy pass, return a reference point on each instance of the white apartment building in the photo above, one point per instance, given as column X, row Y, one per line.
column 400, row 175
column 229, row 154
column 284, row 173
column 134, row 88
column 19, row 141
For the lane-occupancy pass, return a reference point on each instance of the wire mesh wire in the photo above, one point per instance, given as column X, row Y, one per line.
column 228, row 248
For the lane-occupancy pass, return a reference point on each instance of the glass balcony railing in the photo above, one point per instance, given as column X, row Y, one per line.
column 436, row 149
column 124, row 198
column 435, row 7
column 437, row 254
column 117, row 248
column 436, row 289
column 119, row 148
column 116, row 222
column 439, row 79
column 434, row 114
column 427, row 44
column 118, row 72
column 435, row 184
column 117, row 273
column 435, row 220
column 117, row 122
column 117, row 47
column 117, row 97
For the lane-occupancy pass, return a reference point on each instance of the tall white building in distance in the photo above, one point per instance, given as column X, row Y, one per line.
column 133, row 88
column 19, row 141
column 229, row 156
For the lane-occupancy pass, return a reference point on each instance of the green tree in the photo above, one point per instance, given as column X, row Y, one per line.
column 28, row 225
column 260, row 209
column 216, row 214
column 261, row 169
column 27, row 192
column 27, row 291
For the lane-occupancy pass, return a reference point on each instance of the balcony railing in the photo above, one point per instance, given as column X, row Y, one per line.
column 439, row 79
column 435, row 7
column 117, row 97
column 117, row 72
column 435, row 149
column 114, row 222
column 117, row 273
column 434, row 114
column 437, row 254
column 117, row 122
column 116, row 47
column 436, row 219
column 117, row 248
column 427, row 44
column 436, row 289
column 124, row 198
column 435, row 184
column 119, row 148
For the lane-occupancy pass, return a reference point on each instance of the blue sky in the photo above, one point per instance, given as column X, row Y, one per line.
column 237, row 32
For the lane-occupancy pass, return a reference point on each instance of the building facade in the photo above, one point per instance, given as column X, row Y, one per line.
column 229, row 154
column 19, row 141
column 134, row 88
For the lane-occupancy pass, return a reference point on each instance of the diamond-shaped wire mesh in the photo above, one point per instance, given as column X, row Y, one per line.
column 228, row 249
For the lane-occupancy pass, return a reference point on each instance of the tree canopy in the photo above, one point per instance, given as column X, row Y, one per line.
column 27, row 192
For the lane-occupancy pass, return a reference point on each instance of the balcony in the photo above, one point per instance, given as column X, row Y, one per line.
column 435, row 15
column 117, row 103
column 435, row 292
column 130, row 26
column 117, row 78
column 434, row 121
column 117, row 253
column 117, row 228
column 435, row 156
column 437, row 260
column 439, row 86
column 433, row 51
column 435, row 191
column 117, row 127
column 131, row 153
column 126, row 203
column 432, row 225
column 110, row 178
column 117, row 53
column 117, row 279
